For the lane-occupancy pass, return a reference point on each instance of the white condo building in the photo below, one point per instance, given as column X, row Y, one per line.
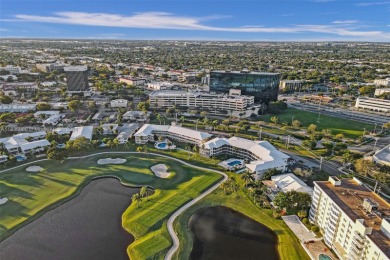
column 374, row 104
column 260, row 155
column 25, row 143
column 148, row 131
column 215, row 103
column 354, row 220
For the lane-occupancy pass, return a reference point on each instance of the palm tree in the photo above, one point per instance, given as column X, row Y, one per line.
column 247, row 177
column 136, row 198
column 224, row 187
column 115, row 142
column 139, row 149
column 159, row 118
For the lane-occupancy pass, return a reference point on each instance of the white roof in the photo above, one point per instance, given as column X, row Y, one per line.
column 34, row 144
column 50, row 113
column 19, row 140
column 383, row 154
column 147, row 129
column 289, row 182
column 82, row 131
column 268, row 156
column 62, row 130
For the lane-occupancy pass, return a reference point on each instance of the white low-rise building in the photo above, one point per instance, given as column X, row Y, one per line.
column 132, row 81
column 138, row 116
column 382, row 82
column 380, row 91
column 109, row 129
column 3, row 158
column 354, row 220
column 126, row 132
column 25, row 143
column 12, row 69
column 148, row 132
column 17, row 108
column 82, row 131
column 382, row 156
column 260, row 155
column 374, row 104
column 159, row 85
column 118, row 103
column 49, row 117
column 289, row 182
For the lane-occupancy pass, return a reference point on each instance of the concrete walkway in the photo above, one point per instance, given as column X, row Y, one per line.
column 172, row 218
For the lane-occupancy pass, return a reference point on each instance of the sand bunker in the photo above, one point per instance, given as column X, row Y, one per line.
column 34, row 168
column 160, row 170
column 3, row 200
column 111, row 161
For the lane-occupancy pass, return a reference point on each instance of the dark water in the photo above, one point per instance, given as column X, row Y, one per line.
column 86, row 227
column 222, row 233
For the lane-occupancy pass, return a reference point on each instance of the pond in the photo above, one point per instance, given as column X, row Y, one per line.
column 222, row 233
column 86, row 227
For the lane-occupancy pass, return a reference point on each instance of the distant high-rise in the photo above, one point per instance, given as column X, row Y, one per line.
column 263, row 86
column 77, row 78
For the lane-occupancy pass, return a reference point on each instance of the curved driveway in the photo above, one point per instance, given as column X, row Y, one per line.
column 172, row 218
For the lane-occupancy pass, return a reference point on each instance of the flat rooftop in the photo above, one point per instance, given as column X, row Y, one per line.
column 349, row 197
column 245, row 72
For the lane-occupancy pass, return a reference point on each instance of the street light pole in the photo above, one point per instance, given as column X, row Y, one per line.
column 260, row 132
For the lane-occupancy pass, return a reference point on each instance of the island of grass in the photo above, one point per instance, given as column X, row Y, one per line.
column 348, row 128
column 34, row 194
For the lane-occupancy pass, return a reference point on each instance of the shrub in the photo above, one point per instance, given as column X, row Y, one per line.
column 315, row 229
column 305, row 221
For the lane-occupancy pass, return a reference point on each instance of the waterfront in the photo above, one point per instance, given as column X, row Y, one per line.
column 86, row 227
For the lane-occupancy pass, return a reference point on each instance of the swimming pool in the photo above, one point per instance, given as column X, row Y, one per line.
column 324, row 257
column 20, row 158
column 234, row 163
column 162, row 145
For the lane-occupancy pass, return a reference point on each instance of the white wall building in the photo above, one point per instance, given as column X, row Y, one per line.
column 148, row 132
column 355, row 221
column 374, row 104
column 126, row 132
column 12, row 69
column 17, row 108
column 290, row 84
column 382, row 82
column 82, row 131
column 138, row 116
column 132, row 81
column 380, row 91
column 215, row 103
column 260, row 155
column 25, row 143
column 118, row 103
column 159, row 85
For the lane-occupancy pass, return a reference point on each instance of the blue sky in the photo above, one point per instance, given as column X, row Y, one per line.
column 255, row 20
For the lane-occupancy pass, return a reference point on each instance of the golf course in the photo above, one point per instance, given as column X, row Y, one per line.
column 32, row 194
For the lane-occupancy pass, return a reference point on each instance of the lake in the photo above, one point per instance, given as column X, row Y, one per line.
column 86, row 227
column 222, row 233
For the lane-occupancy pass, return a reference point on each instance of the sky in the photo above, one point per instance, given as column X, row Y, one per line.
column 224, row 20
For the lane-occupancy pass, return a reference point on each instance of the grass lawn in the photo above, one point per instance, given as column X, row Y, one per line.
column 288, row 246
column 32, row 194
column 349, row 128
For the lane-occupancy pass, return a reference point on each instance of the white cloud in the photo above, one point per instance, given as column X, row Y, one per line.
column 162, row 20
column 373, row 3
column 345, row 21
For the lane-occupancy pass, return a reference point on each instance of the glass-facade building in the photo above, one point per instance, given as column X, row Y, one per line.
column 263, row 86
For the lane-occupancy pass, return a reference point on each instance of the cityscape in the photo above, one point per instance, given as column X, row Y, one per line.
column 132, row 131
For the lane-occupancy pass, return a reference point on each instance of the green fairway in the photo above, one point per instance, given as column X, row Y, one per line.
column 32, row 194
column 349, row 128
column 288, row 246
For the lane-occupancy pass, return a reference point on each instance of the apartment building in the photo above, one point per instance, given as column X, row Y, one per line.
column 148, row 132
column 200, row 99
column 260, row 156
column 25, row 143
column 354, row 220
column 374, row 104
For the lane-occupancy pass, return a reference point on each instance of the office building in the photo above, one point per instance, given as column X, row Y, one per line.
column 263, row 86
column 50, row 67
column 132, row 81
column 259, row 155
column 355, row 221
column 374, row 104
column 77, row 78
column 148, row 132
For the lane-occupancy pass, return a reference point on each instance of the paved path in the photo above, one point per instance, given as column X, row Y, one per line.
column 172, row 218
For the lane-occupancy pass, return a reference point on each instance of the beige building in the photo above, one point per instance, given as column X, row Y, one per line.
column 374, row 104
column 354, row 220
